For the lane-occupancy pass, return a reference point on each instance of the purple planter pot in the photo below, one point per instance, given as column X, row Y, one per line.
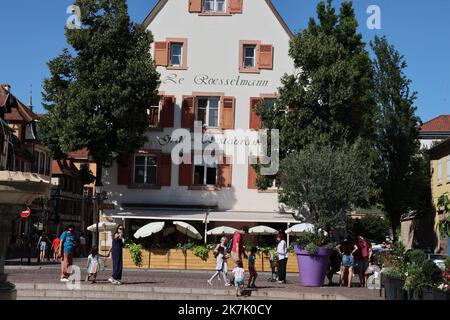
column 312, row 268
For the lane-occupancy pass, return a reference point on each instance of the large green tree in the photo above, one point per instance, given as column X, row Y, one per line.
column 99, row 90
column 330, row 98
column 404, row 178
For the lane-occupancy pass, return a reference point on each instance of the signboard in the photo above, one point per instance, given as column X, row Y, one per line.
column 25, row 214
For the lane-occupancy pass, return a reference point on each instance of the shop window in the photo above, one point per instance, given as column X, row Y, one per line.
column 145, row 170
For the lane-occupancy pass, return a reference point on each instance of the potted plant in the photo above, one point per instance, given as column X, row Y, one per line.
column 422, row 276
column 442, row 292
column 393, row 273
column 321, row 183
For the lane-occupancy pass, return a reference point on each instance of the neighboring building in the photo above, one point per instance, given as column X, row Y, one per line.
column 217, row 59
column 67, row 196
column 24, row 175
column 440, row 182
column 434, row 131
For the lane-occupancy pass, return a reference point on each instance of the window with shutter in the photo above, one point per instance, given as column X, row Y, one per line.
column 185, row 174
column 227, row 113
column 235, row 6
column 252, row 176
column 161, row 53
column 124, row 170
column 266, row 56
column 165, row 170
column 225, row 173
column 195, row 6
column 255, row 121
column 167, row 112
column 187, row 112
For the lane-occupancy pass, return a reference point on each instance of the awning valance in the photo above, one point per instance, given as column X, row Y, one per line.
column 175, row 214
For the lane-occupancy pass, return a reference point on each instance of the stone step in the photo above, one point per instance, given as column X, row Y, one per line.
column 125, row 292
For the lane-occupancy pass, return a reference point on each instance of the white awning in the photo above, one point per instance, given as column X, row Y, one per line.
column 248, row 216
column 175, row 214
column 158, row 214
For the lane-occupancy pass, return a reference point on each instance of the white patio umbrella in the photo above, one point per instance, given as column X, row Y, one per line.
column 262, row 231
column 188, row 230
column 301, row 228
column 103, row 226
column 221, row 231
column 149, row 229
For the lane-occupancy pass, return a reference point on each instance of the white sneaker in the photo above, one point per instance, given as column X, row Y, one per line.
column 64, row 280
column 227, row 285
column 116, row 282
column 210, row 283
column 111, row 280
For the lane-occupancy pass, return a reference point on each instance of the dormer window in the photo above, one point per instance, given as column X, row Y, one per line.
column 214, row 6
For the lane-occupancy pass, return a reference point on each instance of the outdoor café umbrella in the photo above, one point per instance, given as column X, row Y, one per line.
column 221, row 231
column 188, row 230
column 262, row 231
column 103, row 226
column 301, row 228
column 149, row 229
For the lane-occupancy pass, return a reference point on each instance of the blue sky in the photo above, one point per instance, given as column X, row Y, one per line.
column 33, row 33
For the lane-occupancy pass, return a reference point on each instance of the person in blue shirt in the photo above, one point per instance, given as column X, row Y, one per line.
column 66, row 249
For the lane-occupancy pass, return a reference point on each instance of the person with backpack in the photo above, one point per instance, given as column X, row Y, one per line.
column 363, row 256
column 66, row 251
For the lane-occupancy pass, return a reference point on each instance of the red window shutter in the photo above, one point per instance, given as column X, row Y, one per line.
column 167, row 112
column 235, row 6
column 165, row 170
column 255, row 121
column 227, row 113
column 188, row 113
column 125, row 170
column 225, row 173
column 252, row 176
column 162, row 53
column 185, row 175
column 195, row 6
column 266, row 56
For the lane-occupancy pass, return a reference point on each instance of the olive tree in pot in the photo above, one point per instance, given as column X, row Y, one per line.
column 322, row 182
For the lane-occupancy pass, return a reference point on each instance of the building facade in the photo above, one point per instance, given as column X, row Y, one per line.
column 440, row 184
column 24, row 173
column 434, row 131
column 218, row 60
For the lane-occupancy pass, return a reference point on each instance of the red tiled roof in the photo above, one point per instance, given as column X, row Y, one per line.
column 82, row 154
column 439, row 124
column 63, row 167
column 19, row 111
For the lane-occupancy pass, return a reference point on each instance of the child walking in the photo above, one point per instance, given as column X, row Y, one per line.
column 251, row 268
column 93, row 264
column 239, row 275
column 220, row 267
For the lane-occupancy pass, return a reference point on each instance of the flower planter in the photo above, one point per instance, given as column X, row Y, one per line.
column 435, row 294
column 393, row 289
column 312, row 267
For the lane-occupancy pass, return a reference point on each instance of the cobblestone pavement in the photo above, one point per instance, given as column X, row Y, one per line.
column 48, row 274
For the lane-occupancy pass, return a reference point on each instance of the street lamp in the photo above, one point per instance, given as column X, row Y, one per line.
column 98, row 194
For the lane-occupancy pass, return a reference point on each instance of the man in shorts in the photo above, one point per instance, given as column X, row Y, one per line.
column 237, row 250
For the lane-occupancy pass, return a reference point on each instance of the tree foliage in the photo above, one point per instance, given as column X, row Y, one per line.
column 325, row 181
column 99, row 90
column 371, row 226
column 404, row 177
